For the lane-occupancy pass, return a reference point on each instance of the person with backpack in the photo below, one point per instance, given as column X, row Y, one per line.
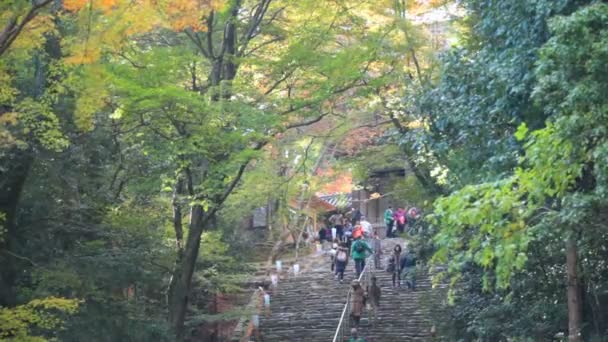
column 359, row 250
column 408, row 264
column 389, row 221
column 394, row 266
column 357, row 303
column 341, row 261
column 373, row 295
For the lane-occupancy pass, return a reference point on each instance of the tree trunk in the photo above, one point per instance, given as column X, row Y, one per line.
column 574, row 300
column 12, row 180
column 179, row 286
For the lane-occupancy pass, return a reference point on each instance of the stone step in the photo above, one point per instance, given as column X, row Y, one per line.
column 308, row 306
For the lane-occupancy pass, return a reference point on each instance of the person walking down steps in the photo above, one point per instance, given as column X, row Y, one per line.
column 359, row 250
column 341, row 261
column 377, row 247
column 357, row 304
column 373, row 299
column 394, row 266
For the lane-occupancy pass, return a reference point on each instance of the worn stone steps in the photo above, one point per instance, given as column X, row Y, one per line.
column 307, row 307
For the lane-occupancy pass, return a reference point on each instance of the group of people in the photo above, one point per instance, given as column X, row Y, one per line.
column 354, row 247
column 342, row 224
column 402, row 266
column 352, row 236
column 397, row 220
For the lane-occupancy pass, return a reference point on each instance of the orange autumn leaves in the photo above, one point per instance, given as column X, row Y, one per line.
column 107, row 25
column 176, row 14
column 190, row 14
column 76, row 5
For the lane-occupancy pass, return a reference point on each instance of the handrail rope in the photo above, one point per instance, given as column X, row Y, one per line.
column 339, row 328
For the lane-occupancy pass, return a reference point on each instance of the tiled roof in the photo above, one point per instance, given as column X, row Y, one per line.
column 338, row 200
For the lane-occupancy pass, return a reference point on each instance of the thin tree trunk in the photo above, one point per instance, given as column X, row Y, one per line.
column 574, row 300
column 11, row 185
column 179, row 287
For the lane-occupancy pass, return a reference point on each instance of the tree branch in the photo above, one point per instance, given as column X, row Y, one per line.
column 279, row 81
column 12, row 30
column 372, row 125
column 307, row 123
column 210, row 20
column 196, row 40
column 261, row 45
column 254, row 25
column 21, row 257
column 132, row 62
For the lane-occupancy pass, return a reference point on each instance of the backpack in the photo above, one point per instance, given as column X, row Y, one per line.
column 390, row 268
column 359, row 248
column 341, row 256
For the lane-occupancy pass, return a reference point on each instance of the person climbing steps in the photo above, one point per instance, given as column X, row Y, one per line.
column 408, row 264
column 359, row 251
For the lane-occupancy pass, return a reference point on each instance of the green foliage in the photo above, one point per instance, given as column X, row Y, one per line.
column 21, row 323
column 511, row 228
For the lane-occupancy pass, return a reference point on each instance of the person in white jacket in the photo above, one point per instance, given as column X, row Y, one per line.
column 367, row 228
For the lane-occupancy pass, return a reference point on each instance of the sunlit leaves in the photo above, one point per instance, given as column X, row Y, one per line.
column 40, row 123
column 25, row 322
column 89, row 83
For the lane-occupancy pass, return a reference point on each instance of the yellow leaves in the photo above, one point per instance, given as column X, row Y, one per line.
column 143, row 16
column 183, row 14
column 33, row 34
column 7, row 93
column 37, row 120
column 92, row 95
column 7, row 119
column 84, row 55
column 7, row 96
column 17, row 324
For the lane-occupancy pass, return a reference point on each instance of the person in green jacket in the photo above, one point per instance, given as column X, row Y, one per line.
column 389, row 221
column 359, row 250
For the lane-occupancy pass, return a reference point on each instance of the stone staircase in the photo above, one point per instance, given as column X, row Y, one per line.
column 307, row 307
